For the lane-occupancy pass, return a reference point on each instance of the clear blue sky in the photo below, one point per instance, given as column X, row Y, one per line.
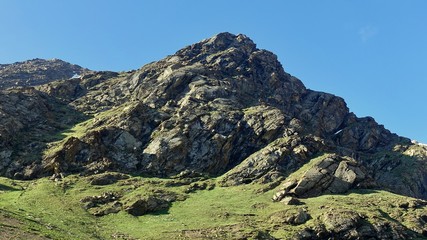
column 373, row 53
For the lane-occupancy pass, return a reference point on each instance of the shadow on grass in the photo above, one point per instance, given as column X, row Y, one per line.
column 362, row 191
column 8, row 188
column 161, row 212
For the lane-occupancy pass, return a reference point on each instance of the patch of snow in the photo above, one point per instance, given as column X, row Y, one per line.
column 338, row 132
column 75, row 76
column 418, row 143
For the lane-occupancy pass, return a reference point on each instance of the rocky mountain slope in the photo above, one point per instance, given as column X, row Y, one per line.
column 221, row 111
column 36, row 72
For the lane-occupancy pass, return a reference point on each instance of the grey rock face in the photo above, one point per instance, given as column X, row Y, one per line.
column 29, row 121
column 329, row 175
column 290, row 201
column 107, row 178
column 36, row 72
column 325, row 113
column 347, row 224
column 276, row 160
column 146, row 205
column 293, row 217
column 207, row 118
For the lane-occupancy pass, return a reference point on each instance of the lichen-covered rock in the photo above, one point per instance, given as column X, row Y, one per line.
column 349, row 224
column 363, row 134
column 97, row 200
column 107, row 178
column 29, row 120
column 106, row 209
column 331, row 174
column 276, row 160
column 324, row 113
column 401, row 170
column 36, row 72
column 290, row 201
column 342, row 221
column 146, row 205
column 294, row 217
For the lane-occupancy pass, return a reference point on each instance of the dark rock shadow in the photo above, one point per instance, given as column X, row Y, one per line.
column 8, row 188
column 394, row 171
column 45, row 121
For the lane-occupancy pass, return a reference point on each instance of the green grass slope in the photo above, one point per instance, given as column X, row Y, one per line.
column 46, row 209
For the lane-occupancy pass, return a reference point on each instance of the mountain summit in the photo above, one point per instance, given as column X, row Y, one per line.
column 36, row 72
column 218, row 108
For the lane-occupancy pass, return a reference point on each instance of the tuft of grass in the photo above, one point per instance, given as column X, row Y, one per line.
column 77, row 131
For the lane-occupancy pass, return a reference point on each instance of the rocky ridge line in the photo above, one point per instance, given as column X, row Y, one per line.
column 36, row 72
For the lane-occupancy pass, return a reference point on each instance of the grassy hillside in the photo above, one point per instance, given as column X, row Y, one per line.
column 47, row 209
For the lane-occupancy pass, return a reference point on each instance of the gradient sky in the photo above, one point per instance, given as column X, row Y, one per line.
column 370, row 52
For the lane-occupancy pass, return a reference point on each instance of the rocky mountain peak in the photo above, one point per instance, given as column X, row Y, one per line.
column 36, row 72
column 218, row 43
column 227, row 67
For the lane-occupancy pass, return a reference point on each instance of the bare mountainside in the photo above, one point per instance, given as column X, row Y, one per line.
column 36, row 72
column 218, row 115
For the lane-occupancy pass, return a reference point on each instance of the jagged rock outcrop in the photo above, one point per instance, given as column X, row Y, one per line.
column 29, row 121
column 293, row 217
column 205, row 115
column 347, row 224
column 401, row 170
column 220, row 106
column 36, row 72
column 276, row 160
column 329, row 174
column 107, row 178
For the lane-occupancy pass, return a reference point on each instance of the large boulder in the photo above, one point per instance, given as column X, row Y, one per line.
column 293, row 216
column 329, row 174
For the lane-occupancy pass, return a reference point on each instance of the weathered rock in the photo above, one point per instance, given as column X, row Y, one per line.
column 29, row 119
column 276, row 160
column 200, row 186
column 290, row 201
column 338, row 224
column 331, row 174
column 401, row 170
column 294, row 217
column 301, row 217
column 36, row 72
column 110, row 202
column 348, row 224
column 279, row 195
column 146, row 205
column 363, row 134
column 324, row 113
column 156, row 200
column 342, row 221
column 287, row 186
column 109, row 208
column 107, row 178
column 95, row 201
